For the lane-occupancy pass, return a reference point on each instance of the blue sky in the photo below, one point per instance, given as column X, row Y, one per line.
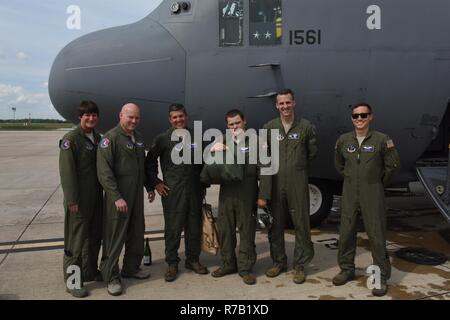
column 31, row 35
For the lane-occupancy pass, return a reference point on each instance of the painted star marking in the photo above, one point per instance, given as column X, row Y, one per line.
column 256, row 35
column 268, row 35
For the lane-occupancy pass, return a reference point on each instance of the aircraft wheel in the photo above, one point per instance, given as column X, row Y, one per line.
column 320, row 202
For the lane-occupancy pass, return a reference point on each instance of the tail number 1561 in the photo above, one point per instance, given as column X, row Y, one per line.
column 305, row 37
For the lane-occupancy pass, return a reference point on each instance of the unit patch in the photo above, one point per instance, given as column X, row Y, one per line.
column 105, row 143
column 139, row 144
column 65, row 144
column 294, row 136
column 280, row 137
column 89, row 146
column 351, row 149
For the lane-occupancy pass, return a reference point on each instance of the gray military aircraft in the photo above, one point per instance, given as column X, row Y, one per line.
column 214, row 55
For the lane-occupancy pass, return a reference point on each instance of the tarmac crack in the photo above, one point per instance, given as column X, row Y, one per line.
column 29, row 224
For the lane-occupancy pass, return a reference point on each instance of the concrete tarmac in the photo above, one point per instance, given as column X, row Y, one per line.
column 31, row 241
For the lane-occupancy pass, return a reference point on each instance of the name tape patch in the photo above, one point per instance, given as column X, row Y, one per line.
column 368, row 148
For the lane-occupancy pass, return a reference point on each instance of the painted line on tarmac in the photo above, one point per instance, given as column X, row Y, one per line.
column 56, row 244
column 29, row 224
column 58, row 239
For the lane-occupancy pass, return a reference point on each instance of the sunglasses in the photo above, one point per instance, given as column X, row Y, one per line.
column 362, row 115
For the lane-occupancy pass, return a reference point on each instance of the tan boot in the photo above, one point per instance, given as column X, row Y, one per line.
column 299, row 275
column 275, row 270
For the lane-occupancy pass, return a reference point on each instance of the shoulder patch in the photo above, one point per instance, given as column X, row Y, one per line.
column 65, row 144
column 105, row 143
column 389, row 144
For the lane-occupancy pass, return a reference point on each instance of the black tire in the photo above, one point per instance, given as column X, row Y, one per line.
column 326, row 194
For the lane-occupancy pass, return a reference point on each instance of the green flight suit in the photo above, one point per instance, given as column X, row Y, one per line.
column 288, row 190
column 82, row 230
column 237, row 208
column 120, row 167
column 182, row 207
column 366, row 170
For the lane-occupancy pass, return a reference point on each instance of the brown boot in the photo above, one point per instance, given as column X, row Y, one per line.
column 220, row 272
column 249, row 278
column 343, row 277
column 197, row 267
column 382, row 290
column 171, row 273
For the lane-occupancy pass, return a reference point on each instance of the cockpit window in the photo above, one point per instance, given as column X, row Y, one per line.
column 231, row 22
column 266, row 27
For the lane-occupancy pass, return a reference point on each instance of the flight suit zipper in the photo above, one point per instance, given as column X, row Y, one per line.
column 358, row 162
column 286, row 145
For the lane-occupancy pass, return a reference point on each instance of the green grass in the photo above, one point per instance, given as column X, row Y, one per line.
column 35, row 126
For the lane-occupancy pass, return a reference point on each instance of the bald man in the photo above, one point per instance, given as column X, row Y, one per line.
column 120, row 169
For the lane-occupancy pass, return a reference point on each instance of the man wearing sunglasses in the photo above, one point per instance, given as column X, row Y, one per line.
column 366, row 159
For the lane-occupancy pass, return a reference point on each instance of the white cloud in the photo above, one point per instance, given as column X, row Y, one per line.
column 16, row 94
column 22, row 55
column 7, row 90
column 36, row 103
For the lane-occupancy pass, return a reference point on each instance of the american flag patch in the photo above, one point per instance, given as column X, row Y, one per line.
column 390, row 144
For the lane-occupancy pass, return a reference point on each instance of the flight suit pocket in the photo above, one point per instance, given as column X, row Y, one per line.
column 347, row 171
column 126, row 166
column 87, row 162
column 373, row 164
column 373, row 176
column 300, row 154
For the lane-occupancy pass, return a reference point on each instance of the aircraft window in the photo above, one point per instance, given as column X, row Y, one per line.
column 231, row 22
column 266, row 27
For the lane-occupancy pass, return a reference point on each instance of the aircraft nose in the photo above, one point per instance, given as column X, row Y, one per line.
column 137, row 62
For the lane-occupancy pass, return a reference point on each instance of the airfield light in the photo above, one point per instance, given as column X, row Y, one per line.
column 14, row 112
